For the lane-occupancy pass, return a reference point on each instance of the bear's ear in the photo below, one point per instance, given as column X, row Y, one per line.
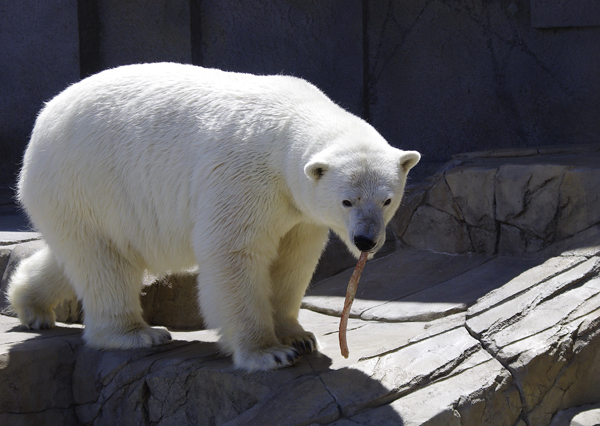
column 315, row 170
column 408, row 160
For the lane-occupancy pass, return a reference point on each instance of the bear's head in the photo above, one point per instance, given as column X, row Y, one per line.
column 357, row 191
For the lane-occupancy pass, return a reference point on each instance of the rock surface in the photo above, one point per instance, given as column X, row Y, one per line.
column 479, row 333
column 506, row 202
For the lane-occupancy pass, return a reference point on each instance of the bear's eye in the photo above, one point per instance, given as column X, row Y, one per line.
column 347, row 203
column 387, row 202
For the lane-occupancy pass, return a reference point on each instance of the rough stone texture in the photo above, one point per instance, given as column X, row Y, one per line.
column 483, row 394
column 392, row 282
column 510, row 202
column 172, row 301
column 435, row 338
column 578, row 416
column 552, row 345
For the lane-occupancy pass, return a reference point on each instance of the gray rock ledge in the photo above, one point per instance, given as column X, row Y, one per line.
column 485, row 311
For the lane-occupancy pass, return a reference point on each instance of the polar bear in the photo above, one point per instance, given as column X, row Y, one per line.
column 163, row 167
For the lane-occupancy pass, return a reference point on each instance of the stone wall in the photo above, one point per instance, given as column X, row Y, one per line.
column 39, row 53
column 439, row 76
column 516, row 202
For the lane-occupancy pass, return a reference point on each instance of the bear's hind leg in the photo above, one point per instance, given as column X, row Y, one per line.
column 36, row 287
column 234, row 294
column 109, row 285
column 298, row 255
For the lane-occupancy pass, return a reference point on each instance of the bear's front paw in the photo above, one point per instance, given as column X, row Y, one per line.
column 272, row 358
column 138, row 337
column 305, row 342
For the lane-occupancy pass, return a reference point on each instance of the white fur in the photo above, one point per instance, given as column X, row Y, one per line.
column 165, row 166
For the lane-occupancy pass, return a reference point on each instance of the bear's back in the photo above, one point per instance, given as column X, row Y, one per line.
column 135, row 150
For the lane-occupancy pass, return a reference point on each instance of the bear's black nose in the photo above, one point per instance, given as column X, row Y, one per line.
column 363, row 243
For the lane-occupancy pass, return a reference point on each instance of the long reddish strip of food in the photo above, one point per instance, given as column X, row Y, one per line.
column 350, row 295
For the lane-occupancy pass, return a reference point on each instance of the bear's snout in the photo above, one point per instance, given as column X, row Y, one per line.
column 364, row 243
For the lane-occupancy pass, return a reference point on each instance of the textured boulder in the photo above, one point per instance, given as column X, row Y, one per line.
column 507, row 202
column 548, row 336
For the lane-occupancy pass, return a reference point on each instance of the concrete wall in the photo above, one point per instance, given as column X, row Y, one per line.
column 39, row 56
column 439, row 76
column 451, row 76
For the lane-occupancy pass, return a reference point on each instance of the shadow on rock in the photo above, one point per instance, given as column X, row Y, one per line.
column 50, row 377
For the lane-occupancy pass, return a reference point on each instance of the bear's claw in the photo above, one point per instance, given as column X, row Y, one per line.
column 304, row 343
column 44, row 326
column 272, row 358
column 37, row 318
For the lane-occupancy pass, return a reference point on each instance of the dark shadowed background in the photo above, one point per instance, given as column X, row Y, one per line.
column 438, row 76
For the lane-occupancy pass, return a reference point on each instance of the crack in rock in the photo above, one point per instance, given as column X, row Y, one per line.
column 506, row 366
